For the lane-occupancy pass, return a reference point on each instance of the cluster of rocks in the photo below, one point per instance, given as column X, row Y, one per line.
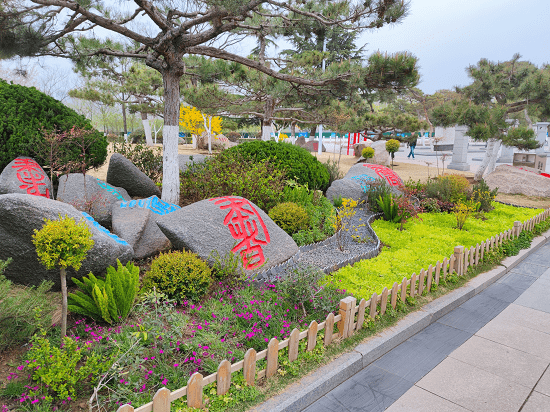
column 358, row 178
column 310, row 145
column 381, row 155
column 515, row 180
column 141, row 227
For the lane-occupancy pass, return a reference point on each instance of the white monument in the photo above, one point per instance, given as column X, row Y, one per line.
column 507, row 152
column 460, row 149
column 541, row 130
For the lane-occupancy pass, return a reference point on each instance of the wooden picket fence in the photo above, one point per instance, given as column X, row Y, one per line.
column 351, row 318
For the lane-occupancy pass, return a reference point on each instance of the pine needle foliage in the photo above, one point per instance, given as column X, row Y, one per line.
column 110, row 299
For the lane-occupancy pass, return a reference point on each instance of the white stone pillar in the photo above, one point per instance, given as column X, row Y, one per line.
column 460, row 150
column 542, row 129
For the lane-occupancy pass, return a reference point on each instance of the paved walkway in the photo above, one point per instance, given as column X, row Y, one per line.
column 490, row 354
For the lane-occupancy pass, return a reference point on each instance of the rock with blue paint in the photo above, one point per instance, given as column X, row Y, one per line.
column 21, row 214
column 123, row 173
column 91, row 195
column 135, row 222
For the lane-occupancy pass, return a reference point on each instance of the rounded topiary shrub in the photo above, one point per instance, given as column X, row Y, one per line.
column 290, row 217
column 367, row 152
column 181, row 275
column 296, row 161
column 27, row 113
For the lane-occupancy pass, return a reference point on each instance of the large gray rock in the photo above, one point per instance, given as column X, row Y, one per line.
column 21, row 214
column 300, row 141
column 229, row 224
column 514, row 180
column 345, row 188
column 24, row 175
column 185, row 161
column 313, row 146
column 95, row 197
column 381, row 155
column 123, row 173
column 135, row 222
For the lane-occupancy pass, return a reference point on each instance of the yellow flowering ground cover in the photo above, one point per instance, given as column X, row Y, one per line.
column 423, row 242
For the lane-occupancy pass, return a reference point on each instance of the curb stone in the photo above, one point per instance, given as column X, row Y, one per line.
column 310, row 388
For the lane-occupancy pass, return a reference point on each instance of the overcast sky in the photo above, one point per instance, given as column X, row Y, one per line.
column 449, row 35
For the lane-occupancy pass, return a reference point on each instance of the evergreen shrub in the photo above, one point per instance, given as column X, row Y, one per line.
column 290, row 217
column 181, row 275
column 27, row 113
column 297, row 162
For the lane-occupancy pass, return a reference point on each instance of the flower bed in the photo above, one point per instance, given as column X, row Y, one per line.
column 423, row 242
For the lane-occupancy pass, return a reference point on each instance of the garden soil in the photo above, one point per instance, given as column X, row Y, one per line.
column 404, row 169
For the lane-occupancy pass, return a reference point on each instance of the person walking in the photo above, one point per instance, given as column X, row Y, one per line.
column 412, row 144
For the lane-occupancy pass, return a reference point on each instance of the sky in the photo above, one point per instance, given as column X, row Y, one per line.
column 448, row 35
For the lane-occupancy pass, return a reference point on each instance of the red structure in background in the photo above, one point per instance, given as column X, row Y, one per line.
column 242, row 221
column 386, row 173
column 32, row 176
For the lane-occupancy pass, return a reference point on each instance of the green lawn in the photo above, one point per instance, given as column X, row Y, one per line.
column 423, row 242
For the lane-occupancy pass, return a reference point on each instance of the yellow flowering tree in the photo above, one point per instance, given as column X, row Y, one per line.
column 196, row 122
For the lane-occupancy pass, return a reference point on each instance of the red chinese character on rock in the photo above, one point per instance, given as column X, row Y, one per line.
column 32, row 176
column 386, row 173
column 242, row 221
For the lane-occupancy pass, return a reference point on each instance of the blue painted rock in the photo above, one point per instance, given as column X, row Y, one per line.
column 229, row 224
column 135, row 222
column 123, row 173
column 94, row 197
column 25, row 175
column 21, row 214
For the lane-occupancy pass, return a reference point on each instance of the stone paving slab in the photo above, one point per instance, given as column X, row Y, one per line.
column 474, row 388
column 537, row 296
column 527, row 317
column 537, row 402
column 543, row 385
column 503, row 361
column 420, row 400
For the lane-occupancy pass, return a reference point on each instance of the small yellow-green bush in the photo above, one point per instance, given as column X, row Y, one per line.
column 367, row 152
column 181, row 275
column 423, row 242
column 290, row 217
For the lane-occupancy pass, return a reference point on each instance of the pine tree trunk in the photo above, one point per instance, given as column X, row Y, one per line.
column 488, row 155
column 124, row 122
column 170, row 168
column 147, row 129
column 63, row 275
column 492, row 162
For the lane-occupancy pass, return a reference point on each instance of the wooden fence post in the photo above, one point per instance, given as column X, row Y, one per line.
column 404, row 290
column 466, row 261
column 429, row 281
column 272, row 357
column 373, row 302
column 312, row 336
column 125, row 408
column 194, row 391
column 412, row 291
column 223, row 378
column 384, row 301
column 421, row 281
column 249, row 367
column 361, row 314
column 459, row 259
column 476, row 260
column 293, row 344
column 437, row 272
column 445, row 266
column 517, row 228
column 329, row 328
column 481, row 251
column 452, row 264
column 472, row 255
column 346, row 322
column 394, row 294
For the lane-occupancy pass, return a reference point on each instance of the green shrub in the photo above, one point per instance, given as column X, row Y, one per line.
column 448, row 188
column 392, row 145
column 59, row 373
column 228, row 173
column 290, row 217
column 430, row 205
column 147, row 159
column 389, row 208
column 333, row 170
column 482, row 194
column 27, row 112
column 295, row 161
column 17, row 322
column 181, row 275
column 368, row 152
column 377, row 189
column 110, row 299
